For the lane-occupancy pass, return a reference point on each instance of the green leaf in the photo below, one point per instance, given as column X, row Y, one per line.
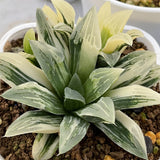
column 134, row 96
column 47, row 34
column 152, row 77
column 64, row 31
column 85, row 43
column 63, row 28
column 137, row 65
column 99, row 81
column 34, row 122
column 72, row 131
column 36, row 96
column 126, row 134
column 111, row 59
column 102, row 111
column 65, row 12
column 44, row 29
column 45, row 146
column 76, row 84
column 53, row 65
column 73, row 100
column 16, row 70
column 30, row 35
column 116, row 42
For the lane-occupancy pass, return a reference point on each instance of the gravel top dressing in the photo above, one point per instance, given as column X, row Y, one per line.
column 144, row 3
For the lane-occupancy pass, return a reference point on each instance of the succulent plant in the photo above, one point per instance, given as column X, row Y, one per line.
column 57, row 76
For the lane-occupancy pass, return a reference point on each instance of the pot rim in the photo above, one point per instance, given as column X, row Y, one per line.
column 136, row 8
column 13, row 31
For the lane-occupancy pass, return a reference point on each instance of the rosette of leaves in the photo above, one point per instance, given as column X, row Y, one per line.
column 57, row 76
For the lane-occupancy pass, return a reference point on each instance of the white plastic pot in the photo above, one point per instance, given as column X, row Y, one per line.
column 19, row 31
column 146, row 18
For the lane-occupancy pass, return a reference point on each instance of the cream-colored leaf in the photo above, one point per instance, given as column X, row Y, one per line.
column 24, row 66
column 135, row 33
column 50, row 14
column 116, row 41
column 65, row 11
column 116, row 22
column 103, row 13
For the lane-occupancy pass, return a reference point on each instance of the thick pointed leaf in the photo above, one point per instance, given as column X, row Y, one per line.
column 117, row 21
column 104, row 13
column 102, row 111
column 46, row 33
column 72, row 131
column 126, row 134
column 134, row 96
column 34, row 122
column 51, row 15
column 73, row 100
column 111, row 59
column 152, row 77
column 99, row 81
column 30, row 35
column 116, row 41
column 36, row 96
column 15, row 70
column 63, row 28
column 44, row 29
column 45, row 146
column 30, row 57
column 85, row 42
column 114, row 24
column 137, row 65
column 65, row 12
column 63, row 33
column 53, row 65
column 134, row 33
column 76, row 84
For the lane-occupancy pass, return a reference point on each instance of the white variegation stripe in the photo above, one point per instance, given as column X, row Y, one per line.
column 134, row 96
column 137, row 65
column 152, row 77
column 45, row 146
column 26, row 68
column 72, row 131
column 102, row 111
column 127, row 134
column 99, row 81
column 52, row 62
column 34, row 122
column 133, row 128
column 85, row 43
column 34, row 95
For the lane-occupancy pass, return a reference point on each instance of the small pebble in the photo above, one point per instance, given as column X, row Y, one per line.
column 155, row 150
column 149, row 144
column 108, row 157
column 152, row 136
column 158, row 142
column 0, row 121
column 158, row 135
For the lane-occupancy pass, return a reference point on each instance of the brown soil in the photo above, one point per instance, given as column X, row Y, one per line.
column 94, row 146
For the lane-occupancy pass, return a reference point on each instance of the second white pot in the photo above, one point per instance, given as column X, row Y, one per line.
column 146, row 18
